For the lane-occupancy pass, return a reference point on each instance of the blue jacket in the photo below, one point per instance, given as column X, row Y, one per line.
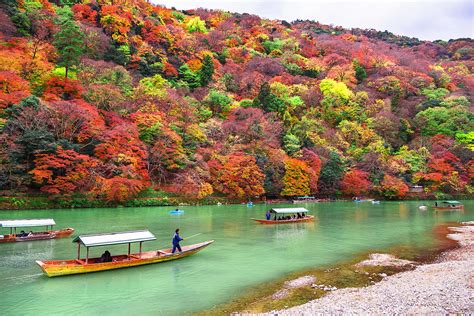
column 176, row 239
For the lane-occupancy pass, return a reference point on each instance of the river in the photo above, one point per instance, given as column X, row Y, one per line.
column 244, row 254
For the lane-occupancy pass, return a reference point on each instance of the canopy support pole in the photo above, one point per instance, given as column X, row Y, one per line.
column 141, row 248
column 15, row 231
column 87, row 255
column 129, row 251
column 78, row 251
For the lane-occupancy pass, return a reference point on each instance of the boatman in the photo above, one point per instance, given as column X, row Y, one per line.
column 176, row 240
column 268, row 215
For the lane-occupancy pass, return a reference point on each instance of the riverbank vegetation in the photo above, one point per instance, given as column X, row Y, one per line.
column 101, row 101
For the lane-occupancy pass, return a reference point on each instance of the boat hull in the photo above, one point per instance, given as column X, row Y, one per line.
column 308, row 218
column 53, row 268
column 454, row 208
column 53, row 234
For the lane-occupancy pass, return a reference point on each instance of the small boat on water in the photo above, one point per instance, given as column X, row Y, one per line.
column 249, row 204
column 448, row 206
column 281, row 216
column 375, row 202
column 47, row 233
column 177, row 212
column 54, row 268
column 305, row 199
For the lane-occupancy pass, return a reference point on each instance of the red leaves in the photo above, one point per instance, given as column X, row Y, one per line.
column 355, row 182
column 12, row 89
column 64, row 172
column 58, row 88
column 84, row 13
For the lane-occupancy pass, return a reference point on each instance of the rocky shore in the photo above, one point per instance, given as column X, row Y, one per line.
column 445, row 286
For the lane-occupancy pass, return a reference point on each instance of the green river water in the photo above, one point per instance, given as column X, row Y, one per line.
column 244, row 254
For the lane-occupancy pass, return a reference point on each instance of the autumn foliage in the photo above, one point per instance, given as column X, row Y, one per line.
column 110, row 98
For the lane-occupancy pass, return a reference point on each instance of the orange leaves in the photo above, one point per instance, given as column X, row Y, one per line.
column 237, row 175
column 296, row 179
column 392, row 187
column 355, row 182
column 118, row 189
column 12, row 89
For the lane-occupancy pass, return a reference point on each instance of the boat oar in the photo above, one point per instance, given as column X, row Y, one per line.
column 192, row 236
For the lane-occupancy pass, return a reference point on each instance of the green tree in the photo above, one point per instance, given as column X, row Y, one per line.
column 196, row 25
column 439, row 120
column 360, row 72
column 189, row 77
column 68, row 40
column 268, row 101
column 291, row 143
column 206, row 71
column 218, row 102
column 331, row 174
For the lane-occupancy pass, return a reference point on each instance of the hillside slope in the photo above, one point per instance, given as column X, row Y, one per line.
column 109, row 98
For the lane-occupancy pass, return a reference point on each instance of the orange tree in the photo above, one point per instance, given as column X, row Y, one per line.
column 296, row 178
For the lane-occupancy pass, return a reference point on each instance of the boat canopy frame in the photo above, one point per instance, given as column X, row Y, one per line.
column 108, row 239
column 451, row 202
column 13, row 224
column 289, row 210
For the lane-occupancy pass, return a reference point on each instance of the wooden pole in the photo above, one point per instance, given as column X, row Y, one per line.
column 78, row 251
column 87, row 255
column 141, row 248
column 128, row 251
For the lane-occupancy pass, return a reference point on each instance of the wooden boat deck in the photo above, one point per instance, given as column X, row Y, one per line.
column 307, row 218
column 65, row 267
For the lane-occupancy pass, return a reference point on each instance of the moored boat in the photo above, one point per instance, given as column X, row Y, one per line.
column 48, row 233
column 305, row 199
column 281, row 216
column 54, row 268
column 177, row 212
column 448, row 206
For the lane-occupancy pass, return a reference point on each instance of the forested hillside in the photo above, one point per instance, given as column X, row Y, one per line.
column 107, row 98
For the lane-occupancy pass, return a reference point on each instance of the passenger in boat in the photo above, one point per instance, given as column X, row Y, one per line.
column 176, row 240
column 268, row 215
column 22, row 234
column 436, row 204
column 30, row 233
column 106, row 257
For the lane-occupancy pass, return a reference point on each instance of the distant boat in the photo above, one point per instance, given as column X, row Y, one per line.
column 54, row 268
column 305, row 199
column 249, row 204
column 284, row 212
column 177, row 212
column 423, row 207
column 375, row 202
column 448, row 206
column 219, row 203
column 358, row 200
column 48, row 233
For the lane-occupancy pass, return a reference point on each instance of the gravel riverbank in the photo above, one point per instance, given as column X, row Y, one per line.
column 446, row 286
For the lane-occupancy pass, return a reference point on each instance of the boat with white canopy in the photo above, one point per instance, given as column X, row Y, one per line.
column 85, row 265
column 286, row 215
column 17, row 230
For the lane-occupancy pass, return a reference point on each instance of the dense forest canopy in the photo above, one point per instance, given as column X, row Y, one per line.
column 108, row 98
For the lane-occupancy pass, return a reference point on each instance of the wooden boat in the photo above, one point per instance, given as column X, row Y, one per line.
column 48, row 233
column 285, row 211
column 54, row 268
column 448, row 206
column 305, row 199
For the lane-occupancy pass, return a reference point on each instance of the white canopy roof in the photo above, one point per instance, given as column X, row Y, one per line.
column 27, row 223
column 115, row 238
column 291, row 210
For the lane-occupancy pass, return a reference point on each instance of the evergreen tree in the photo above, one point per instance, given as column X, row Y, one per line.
column 268, row 101
column 207, row 70
column 68, row 40
column 360, row 72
